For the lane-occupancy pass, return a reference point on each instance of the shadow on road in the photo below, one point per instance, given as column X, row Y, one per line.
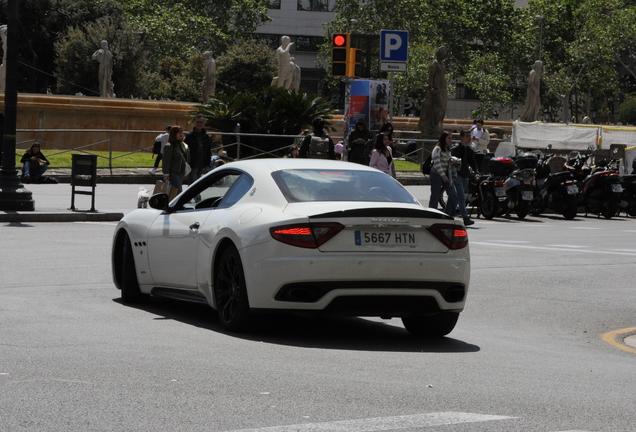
column 325, row 332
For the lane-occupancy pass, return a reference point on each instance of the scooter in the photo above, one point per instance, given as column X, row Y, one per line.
column 556, row 191
column 600, row 189
column 627, row 199
column 509, row 187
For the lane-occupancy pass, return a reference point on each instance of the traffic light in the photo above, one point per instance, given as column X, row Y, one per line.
column 339, row 53
column 354, row 68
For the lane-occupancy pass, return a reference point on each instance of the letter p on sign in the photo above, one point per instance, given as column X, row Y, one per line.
column 394, row 45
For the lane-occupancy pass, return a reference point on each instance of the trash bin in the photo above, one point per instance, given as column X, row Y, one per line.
column 83, row 174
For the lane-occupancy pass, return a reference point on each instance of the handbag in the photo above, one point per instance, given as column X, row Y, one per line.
column 426, row 167
column 188, row 168
column 167, row 188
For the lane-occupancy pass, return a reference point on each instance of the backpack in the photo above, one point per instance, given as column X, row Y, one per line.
column 319, row 146
column 426, row 167
column 156, row 148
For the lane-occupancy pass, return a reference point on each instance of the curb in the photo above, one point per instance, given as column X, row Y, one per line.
column 21, row 217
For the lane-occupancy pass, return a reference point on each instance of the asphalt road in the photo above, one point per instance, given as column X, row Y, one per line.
column 528, row 352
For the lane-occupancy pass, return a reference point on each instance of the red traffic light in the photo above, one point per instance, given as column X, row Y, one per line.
column 340, row 40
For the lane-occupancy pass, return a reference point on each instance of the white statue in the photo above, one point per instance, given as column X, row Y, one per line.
column 295, row 84
column 285, row 67
column 209, row 69
column 3, row 66
column 105, row 59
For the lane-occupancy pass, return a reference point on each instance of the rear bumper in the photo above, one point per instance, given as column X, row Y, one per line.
column 356, row 284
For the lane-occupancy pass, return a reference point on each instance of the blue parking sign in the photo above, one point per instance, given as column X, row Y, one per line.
column 394, row 45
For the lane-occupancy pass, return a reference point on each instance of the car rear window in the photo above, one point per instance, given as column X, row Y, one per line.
column 305, row 185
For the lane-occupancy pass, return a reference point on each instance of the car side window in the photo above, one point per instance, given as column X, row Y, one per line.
column 217, row 191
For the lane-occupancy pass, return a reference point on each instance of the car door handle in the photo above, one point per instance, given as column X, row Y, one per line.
column 194, row 226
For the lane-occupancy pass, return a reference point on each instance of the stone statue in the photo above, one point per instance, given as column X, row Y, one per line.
column 105, row 59
column 295, row 84
column 3, row 66
column 431, row 122
column 533, row 102
column 209, row 69
column 285, row 67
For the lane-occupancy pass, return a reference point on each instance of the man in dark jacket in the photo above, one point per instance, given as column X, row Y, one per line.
column 467, row 156
column 200, row 147
column 357, row 139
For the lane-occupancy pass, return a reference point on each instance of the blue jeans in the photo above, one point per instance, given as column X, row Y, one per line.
column 26, row 171
column 461, row 185
column 437, row 183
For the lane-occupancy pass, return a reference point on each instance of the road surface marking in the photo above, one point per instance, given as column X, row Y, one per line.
column 613, row 338
column 554, row 248
column 383, row 423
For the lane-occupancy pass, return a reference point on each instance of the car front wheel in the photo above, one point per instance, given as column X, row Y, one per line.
column 431, row 326
column 130, row 292
column 230, row 292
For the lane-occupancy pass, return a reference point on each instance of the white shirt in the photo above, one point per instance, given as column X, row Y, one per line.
column 163, row 139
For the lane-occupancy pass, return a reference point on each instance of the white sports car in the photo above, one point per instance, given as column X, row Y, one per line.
column 297, row 235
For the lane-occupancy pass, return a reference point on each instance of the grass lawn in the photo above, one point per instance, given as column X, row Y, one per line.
column 145, row 160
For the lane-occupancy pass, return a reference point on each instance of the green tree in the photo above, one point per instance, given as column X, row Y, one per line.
column 246, row 66
column 270, row 110
column 174, row 78
column 42, row 24
column 179, row 27
column 627, row 112
column 77, row 72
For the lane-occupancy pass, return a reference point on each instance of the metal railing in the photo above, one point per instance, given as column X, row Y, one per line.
column 110, row 142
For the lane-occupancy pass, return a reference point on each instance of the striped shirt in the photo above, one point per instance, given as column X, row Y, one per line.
column 440, row 160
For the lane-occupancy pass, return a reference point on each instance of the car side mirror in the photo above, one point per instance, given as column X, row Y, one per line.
column 159, row 201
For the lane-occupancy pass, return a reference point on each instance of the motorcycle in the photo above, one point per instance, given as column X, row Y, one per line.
column 627, row 199
column 600, row 187
column 509, row 186
column 556, row 191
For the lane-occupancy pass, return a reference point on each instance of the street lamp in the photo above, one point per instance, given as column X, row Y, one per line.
column 539, row 18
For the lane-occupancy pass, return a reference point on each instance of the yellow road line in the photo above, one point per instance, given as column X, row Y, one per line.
column 613, row 336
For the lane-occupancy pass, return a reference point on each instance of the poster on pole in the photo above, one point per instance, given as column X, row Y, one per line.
column 368, row 100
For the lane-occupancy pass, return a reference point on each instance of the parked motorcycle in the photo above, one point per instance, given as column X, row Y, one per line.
column 600, row 187
column 627, row 199
column 556, row 191
column 509, row 186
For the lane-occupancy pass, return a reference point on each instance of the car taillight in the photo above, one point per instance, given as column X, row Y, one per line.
column 453, row 236
column 307, row 235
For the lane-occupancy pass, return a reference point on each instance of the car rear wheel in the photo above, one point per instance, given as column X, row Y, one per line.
column 230, row 292
column 130, row 292
column 431, row 326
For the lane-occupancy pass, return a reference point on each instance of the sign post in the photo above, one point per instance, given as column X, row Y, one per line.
column 394, row 52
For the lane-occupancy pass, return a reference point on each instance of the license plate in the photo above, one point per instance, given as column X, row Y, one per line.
column 617, row 188
column 500, row 192
column 386, row 238
column 572, row 189
column 527, row 195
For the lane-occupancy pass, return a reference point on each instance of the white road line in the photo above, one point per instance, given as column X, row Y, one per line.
column 616, row 252
column 573, row 246
column 382, row 423
column 586, row 228
column 511, row 241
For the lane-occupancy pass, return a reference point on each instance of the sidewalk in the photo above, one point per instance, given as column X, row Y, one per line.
column 115, row 195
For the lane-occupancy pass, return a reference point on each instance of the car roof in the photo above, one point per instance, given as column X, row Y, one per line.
column 277, row 164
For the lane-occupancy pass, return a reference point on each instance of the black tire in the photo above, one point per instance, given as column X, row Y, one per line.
column 130, row 292
column 230, row 292
column 431, row 326
column 443, row 199
column 489, row 204
column 610, row 206
column 537, row 207
column 570, row 207
column 522, row 208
